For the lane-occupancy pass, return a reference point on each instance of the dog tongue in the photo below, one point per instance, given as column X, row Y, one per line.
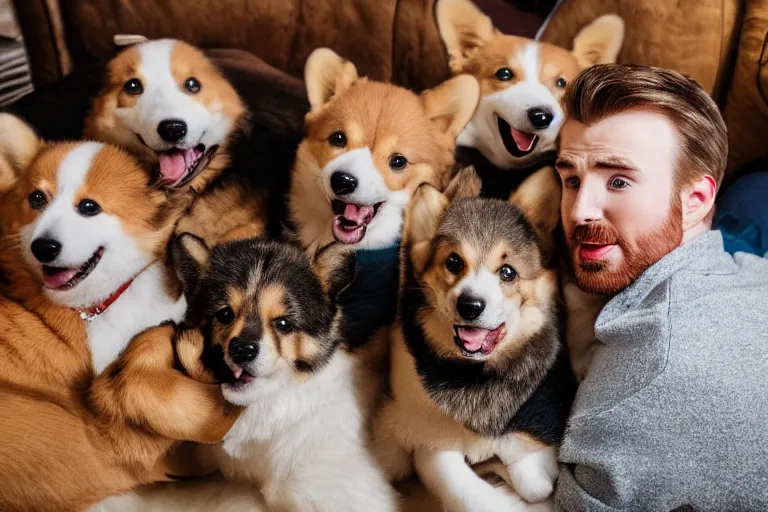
column 172, row 165
column 473, row 338
column 523, row 140
column 358, row 214
column 59, row 279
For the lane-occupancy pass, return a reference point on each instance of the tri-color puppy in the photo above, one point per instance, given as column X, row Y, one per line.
column 166, row 102
column 477, row 366
column 515, row 128
column 272, row 325
column 83, row 237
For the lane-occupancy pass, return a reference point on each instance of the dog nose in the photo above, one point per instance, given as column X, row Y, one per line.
column 242, row 351
column 172, row 130
column 45, row 249
column 470, row 307
column 343, row 183
column 541, row 118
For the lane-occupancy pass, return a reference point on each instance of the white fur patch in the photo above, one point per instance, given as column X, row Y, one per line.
column 483, row 284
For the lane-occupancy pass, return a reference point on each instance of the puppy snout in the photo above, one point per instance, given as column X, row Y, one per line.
column 343, row 183
column 46, row 249
column 172, row 130
column 469, row 307
column 242, row 351
column 540, row 117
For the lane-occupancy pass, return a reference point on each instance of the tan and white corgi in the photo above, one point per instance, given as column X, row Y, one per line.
column 519, row 116
column 368, row 146
column 167, row 103
column 83, row 238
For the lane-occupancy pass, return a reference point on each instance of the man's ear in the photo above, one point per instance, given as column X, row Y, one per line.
column 452, row 104
column 600, row 41
column 326, row 75
column 190, row 256
column 464, row 29
column 335, row 265
column 19, row 145
column 698, row 202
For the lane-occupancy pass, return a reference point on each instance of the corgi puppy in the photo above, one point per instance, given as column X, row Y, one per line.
column 167, row 103
column 477, row 367
column 516, row 125
column 368, row 146
column 273, row 328
column 83, row 238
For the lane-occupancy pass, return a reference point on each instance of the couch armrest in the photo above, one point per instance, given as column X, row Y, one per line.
column 43, row 30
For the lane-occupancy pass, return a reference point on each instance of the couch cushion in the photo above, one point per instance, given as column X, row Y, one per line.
column 746, row 110
column 694, row 37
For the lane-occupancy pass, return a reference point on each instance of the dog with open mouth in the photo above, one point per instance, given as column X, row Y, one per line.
column 167, row 103
column 478, row 369
column 83, row 280
column 368, row 146
column 515, row 128
column 273, row 333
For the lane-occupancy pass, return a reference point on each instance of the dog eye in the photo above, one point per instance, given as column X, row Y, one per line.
column 133, row 87
column 192, row 85
column 283, row 325
column 397, row 162
column 507, row 273
column 88, row 208
column 504, row 74
column 225, row 315
column 37, row 200
column 561, row 83
column 454, row 263
column 338, row 139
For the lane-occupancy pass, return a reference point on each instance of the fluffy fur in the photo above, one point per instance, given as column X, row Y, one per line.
column 167, row 103
column 272, row 327
column 488, row 381
column 73, row 438
column 368, row 146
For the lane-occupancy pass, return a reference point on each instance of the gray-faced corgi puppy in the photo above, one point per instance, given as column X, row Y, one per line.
column 477, row 366
column 273, row 331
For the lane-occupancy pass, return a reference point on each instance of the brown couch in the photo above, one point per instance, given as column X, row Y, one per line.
column 721, row 43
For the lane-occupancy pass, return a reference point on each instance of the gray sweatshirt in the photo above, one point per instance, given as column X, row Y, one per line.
column 674, row 409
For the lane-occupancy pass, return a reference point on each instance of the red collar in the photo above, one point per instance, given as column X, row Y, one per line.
column 94, row 311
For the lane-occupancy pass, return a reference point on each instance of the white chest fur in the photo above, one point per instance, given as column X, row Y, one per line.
column 144, row 304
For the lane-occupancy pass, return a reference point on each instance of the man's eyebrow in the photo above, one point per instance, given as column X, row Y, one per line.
column 614, row 162
column 562, row 163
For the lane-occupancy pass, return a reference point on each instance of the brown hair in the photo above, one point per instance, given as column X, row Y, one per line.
column 607, row 89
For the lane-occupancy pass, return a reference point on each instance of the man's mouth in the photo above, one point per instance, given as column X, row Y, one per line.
column 476, row 341
column 180, row 166
column 517, row 142
column 351, row 220
column 591, row 251
column 61, row 279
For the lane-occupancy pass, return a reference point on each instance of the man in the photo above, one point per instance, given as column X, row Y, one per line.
column 673, row 412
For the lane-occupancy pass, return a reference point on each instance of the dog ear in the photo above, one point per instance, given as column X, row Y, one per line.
column 451, row 104
column 421, row 220
column 326, row 75
column 538, row 197
column 600, row 41
column 19, row 145
column 464, row 30
column 189, row 256
column 466, row 183
column 335, row 267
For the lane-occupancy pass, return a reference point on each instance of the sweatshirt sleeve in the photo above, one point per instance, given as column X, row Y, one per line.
column 571, row 496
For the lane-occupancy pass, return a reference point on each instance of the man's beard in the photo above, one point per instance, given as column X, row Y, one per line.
column 596, row 277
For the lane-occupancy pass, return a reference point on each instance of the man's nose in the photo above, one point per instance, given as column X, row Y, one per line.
column 587, row 206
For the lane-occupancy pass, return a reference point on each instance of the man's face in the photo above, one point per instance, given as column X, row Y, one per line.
column 620, row 208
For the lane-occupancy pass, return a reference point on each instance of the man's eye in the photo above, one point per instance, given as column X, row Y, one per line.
column 618, row 183
column 572, row 182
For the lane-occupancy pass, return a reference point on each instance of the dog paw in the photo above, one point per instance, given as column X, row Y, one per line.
column 189, row 345
column 534, row 477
